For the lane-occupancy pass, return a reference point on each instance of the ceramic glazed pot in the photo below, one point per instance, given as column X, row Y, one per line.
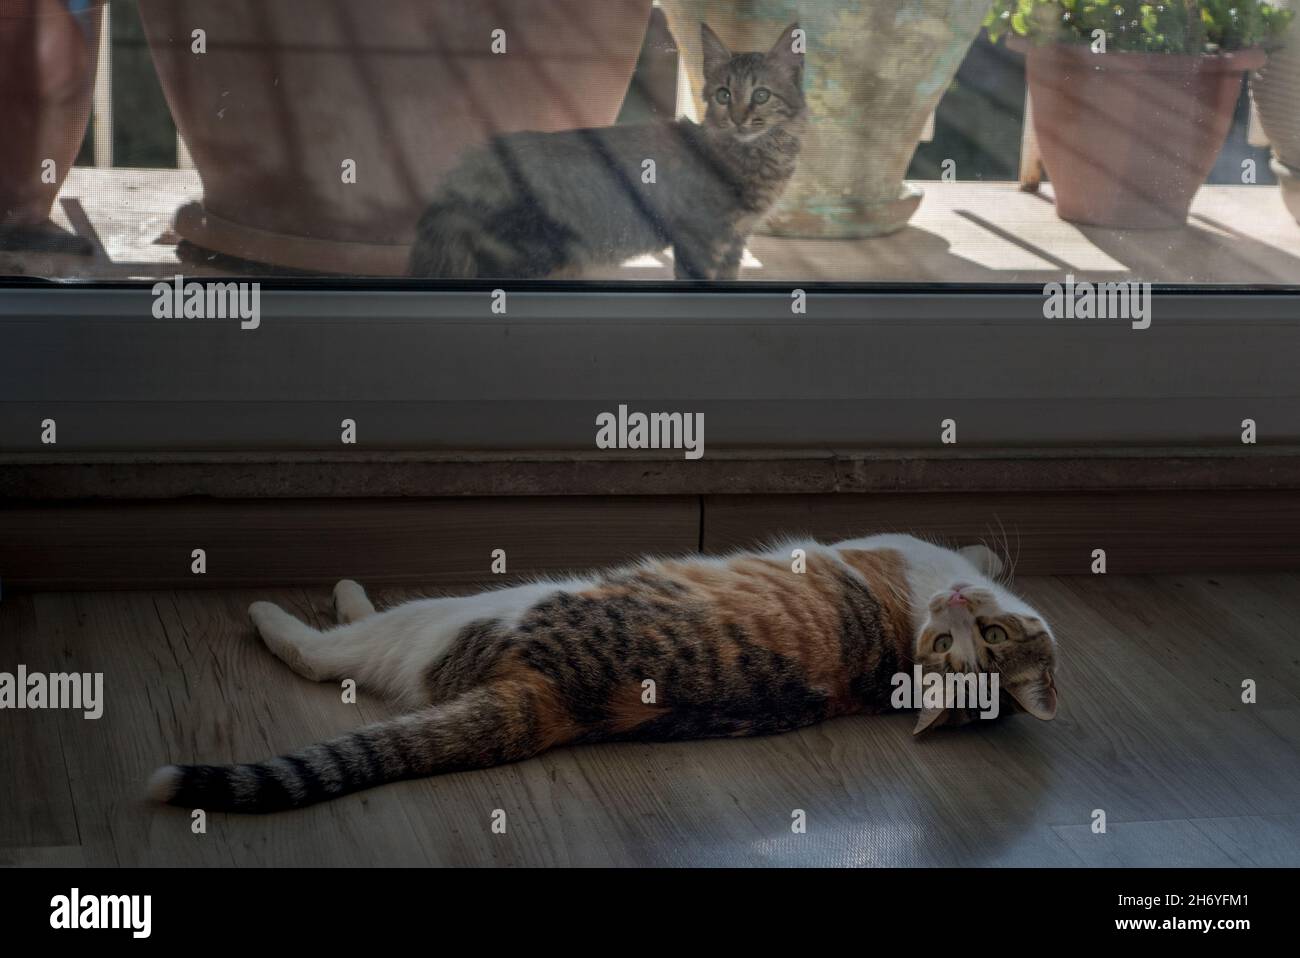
column 1128, row 138
column 1288, row 180
column 48, row 52
column 287, row 92
column 874, row 71
column 1276, row 91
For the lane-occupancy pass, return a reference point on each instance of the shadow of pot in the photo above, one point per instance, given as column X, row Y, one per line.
column 48, row 55
column 320, row 128
column 1128, row 138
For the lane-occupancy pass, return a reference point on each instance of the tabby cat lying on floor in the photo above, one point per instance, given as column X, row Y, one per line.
column 532, row 205
column 741, row 645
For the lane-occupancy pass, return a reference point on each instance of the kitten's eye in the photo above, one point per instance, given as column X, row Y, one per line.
column 995, row 634
column 762, row 95
column 723, row 95
column 943, row 643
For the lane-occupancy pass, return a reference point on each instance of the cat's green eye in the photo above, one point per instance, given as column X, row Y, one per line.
column 995, row 634
column 723, row 95
column 943, row 643
column 761, row 95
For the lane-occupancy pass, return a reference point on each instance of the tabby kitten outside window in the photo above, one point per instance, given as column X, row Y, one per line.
column 532, row 205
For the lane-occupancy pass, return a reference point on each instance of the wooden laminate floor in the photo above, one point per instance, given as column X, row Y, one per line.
column 1151, row 730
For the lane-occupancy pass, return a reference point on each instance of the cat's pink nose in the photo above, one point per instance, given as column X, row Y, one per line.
column 957, row 598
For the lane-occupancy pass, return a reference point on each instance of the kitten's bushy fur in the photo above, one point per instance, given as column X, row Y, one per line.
column 532, row 205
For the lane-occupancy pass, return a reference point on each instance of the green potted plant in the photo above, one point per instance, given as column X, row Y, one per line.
column 1132, row 101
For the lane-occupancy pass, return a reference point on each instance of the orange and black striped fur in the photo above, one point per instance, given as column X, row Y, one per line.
column 750, row 644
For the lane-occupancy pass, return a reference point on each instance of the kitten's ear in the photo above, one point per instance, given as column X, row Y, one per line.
column 1036, row 694
column 716, row 54
column 929, row 718
column 788, row 50
column 984, row 559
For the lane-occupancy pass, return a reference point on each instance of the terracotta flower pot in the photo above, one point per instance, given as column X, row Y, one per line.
column 1276, row 91
column 47, row 76
column 874, row 71
column 1128, row 138
column 289, row 91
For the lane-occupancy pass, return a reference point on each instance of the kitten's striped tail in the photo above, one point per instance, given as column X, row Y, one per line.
column 478, row 729
column 448, row 244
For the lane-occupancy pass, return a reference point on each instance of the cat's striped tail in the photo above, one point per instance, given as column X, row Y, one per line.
column 478, row 729
column 447, row 244
column 458, row 240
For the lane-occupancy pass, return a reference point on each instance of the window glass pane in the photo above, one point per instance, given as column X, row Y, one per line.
column 950, row 142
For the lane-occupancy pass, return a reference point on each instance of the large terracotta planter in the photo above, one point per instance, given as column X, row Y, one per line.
column 1128, row 138
column 874, row 71
column 47, row 76
column 1276, row 91
column 289, row 90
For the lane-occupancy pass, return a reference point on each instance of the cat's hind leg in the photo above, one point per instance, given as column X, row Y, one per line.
column 351, row 602
column 289, row 638
column 390, row 652
column 387, row 652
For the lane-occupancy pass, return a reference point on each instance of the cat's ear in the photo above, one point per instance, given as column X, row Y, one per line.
column 984, row 559
column 716, row 54
column 786, row 52
column 929, row 718
column 1036, row 694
